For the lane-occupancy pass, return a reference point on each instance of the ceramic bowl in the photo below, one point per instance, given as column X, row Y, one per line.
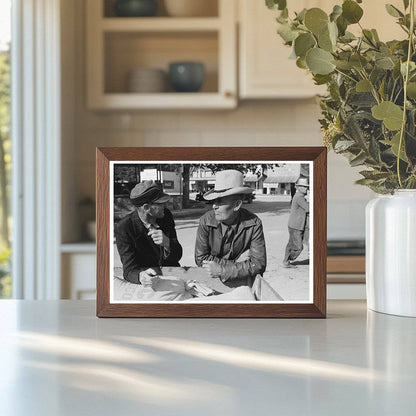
column 135, row 8
column 186, row 76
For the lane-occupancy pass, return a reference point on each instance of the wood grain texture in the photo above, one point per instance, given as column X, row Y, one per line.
column 317, row 309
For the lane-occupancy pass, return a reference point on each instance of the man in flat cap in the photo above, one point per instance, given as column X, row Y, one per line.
column 146, row 238
column 230, row 241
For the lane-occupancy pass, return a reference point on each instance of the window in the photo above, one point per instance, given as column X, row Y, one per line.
column 5, row 159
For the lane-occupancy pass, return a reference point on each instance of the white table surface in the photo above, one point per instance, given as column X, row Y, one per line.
column 57, row 358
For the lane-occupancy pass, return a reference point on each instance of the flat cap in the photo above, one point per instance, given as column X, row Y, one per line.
column 148, row 192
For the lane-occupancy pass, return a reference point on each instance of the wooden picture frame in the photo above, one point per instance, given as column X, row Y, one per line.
column 316, row 157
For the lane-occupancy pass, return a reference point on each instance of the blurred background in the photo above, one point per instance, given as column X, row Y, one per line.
column 101, row 73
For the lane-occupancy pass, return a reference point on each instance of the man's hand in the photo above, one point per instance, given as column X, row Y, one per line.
column 148, row 277
column 212, row 268
column 159, row 237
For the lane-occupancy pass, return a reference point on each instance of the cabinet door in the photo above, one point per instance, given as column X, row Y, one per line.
column 265, row 68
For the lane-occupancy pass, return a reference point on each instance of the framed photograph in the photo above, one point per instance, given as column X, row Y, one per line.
column 211, row 232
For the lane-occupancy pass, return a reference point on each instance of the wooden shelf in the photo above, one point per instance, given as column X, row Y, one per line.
column 163, row 101
column 159, row 24
column 80, row 247
column 346, row 264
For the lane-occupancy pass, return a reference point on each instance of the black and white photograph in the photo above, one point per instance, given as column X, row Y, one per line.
column 225, row 231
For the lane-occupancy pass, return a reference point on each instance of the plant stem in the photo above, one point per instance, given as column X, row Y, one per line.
column 345, row 75
column 406, row 79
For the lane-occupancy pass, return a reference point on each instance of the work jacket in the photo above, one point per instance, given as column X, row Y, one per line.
column 137, row 250
column 248, row 235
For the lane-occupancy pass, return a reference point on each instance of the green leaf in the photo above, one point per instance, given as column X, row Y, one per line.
column 358, row 61
column 321, row 79
column 411, row 90
column 286, row 32
column 374, row 150
column 364, row 181
column 374, row 175
column 325, row 43
column 341, row 64
column 375, row 35
column 351, row 11
column 333, row 32
column 406, row 4
column 342, row 25
column 301, row 63
column 393, row 11
column 319, row 61
column 394, row 143
column 385, row 63
column 300, row 17
column 316, row 20
column 368, row 36
column 390, row 113
column 363, row 86
column 358, row 160
column 303, row 43
column 336, row 12
column 412, row 67
column 276, row 4
column 343, row 145
column 347, row 37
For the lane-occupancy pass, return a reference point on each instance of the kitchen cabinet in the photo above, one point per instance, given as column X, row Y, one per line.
column 265, row 70
column 116, row 46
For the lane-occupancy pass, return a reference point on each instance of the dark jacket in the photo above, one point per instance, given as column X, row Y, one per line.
column 248, row 236
column 137, row 250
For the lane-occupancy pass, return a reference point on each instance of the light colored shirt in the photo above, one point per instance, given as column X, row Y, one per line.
column 298, row 210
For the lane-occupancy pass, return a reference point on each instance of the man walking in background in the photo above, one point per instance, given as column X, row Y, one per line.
column 297, row 222
column 146, row 239
column 230, row 242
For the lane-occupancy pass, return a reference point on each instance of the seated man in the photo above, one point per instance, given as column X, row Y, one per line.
column 230, row 241
column 146, row 238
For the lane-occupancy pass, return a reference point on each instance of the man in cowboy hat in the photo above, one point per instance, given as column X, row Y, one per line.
column 146, row 238
column 230, row 241
column 297, row 222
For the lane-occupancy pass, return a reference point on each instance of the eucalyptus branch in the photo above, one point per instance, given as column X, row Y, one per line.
column 345, row 75
column 373, row 89
column 406, row 79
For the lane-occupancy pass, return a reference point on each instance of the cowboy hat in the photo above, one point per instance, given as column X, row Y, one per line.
column 227, row 182
column 303, row 182
column 148, row 192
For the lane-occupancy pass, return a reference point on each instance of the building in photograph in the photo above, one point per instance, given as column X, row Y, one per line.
column 170, row 180
column 201, row 180
column 280, row 179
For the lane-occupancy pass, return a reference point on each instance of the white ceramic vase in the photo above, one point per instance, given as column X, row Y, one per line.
column 391, row 253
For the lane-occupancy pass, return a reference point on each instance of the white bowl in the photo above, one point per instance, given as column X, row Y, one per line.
column 147, row 80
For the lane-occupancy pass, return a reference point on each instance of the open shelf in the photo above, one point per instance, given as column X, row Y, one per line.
column 127, row 51
column 116, row 46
